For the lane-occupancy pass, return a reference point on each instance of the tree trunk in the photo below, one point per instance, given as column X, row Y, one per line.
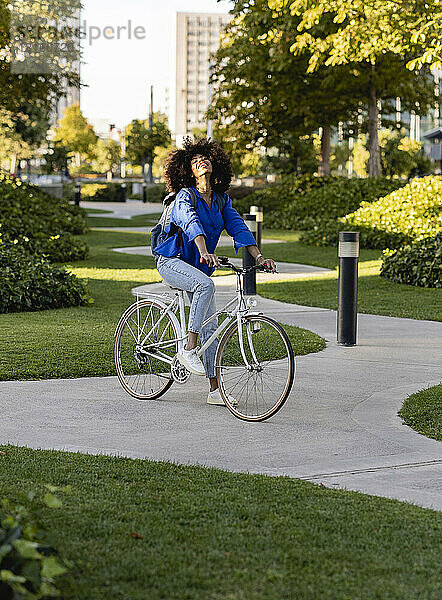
column 324, row 165
column 374, row 161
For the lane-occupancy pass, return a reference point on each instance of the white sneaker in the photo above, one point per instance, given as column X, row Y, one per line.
column 215, row 398
column 191, row 361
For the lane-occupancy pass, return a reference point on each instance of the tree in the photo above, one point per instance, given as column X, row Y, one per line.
column 143, row 142
column 383, row 39
column 43, row 87
column 402, row 156
column 13, row 147
column 56, row 158
column 75, row 133
column 106, row 156
column 264, row 95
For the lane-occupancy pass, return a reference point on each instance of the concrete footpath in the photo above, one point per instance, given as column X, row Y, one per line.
column 339, row 427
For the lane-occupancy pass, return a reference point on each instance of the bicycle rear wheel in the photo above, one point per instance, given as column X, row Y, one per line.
column 145, row 344
column 262, row 387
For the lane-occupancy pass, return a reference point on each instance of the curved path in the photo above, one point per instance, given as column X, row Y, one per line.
column 339, row 426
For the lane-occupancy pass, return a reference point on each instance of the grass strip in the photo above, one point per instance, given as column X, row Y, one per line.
column 97, row 211
column 137, row 529
column 144, row 220
column 376, row 295
column 422, row 411
column 78, row 342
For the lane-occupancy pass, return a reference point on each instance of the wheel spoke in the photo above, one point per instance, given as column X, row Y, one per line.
column 259, row 393
column 145, row 374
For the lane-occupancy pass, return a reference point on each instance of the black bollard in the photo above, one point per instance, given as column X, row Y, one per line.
column 348, row 253
column 123, row 192
column 77, row 194
column 144, row 192
column 259, row 212
column 248, row 260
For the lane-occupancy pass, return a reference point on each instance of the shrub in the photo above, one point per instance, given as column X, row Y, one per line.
column 275, row 197
column 411, row 213
column 28, row 283
column 40, row 222
column 417, row 264
column 28, row 565
column 101, row 192
column 310, row 211
column 156, row 192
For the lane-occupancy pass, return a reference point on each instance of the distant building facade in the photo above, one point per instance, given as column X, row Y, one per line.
column 71, row 94
column 197, row 36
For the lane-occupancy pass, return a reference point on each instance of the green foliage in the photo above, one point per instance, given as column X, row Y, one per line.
column 422, row 412
column 402, row 156
column 417, row 264
column 263, row 97
column 29, row 282
column 277, row 197
column 29, row 566
column 41, row 223
column 364, row 32
column 319, row 213
column 408, row 214
column 106, row 156
column 74, row 132
column 156, row 192
column 143, row 142
column 101, row 192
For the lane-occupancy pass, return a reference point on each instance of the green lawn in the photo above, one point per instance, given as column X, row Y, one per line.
column 97, row 211
column 135, row 221
column 78, row 342
column 208, row 534
column 422, row 411
column 376, row 295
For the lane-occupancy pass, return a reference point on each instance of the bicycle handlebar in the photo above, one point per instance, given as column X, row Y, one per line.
column 225, row 262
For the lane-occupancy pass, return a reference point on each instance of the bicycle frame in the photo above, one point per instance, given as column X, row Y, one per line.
column 240, row 310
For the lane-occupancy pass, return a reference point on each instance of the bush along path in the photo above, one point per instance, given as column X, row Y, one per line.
column 36, row 230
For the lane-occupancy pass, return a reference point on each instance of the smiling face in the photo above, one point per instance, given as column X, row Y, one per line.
column 200, row 165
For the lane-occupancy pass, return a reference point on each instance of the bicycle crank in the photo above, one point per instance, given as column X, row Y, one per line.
column 179, row 372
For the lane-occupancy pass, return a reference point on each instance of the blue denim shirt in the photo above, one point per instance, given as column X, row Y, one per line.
column 206, row 221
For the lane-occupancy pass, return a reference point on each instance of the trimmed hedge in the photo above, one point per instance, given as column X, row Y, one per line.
column 39, row 222
column 277, row 197
column 320, row 206
column 101, row 192
column 156, row 193
column 406, row 215
column 30, row 283
column 418, row 264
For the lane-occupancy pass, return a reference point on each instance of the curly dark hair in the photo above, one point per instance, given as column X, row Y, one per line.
column 178, row 171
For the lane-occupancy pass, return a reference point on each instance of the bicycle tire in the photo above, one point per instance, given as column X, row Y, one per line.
column 270, row 343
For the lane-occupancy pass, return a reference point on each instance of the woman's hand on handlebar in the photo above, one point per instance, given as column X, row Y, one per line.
column 268, row 263
column 210, row 259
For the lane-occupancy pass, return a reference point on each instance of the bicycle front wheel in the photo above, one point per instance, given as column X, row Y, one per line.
column 145, row 344
column 261, row 386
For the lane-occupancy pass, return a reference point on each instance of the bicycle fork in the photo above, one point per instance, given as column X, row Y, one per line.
column 239, row 320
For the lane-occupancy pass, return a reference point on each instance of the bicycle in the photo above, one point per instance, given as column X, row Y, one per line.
column 254, row 362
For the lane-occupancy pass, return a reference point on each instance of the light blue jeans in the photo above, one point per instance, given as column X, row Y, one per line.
column 201, row 293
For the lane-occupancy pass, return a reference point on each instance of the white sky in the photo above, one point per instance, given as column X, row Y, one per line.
column 119, row 72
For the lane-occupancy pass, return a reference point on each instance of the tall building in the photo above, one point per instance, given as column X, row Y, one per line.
column 197, row 36
column 71, row 94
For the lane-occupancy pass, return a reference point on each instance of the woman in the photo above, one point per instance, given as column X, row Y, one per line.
column 187, row 258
